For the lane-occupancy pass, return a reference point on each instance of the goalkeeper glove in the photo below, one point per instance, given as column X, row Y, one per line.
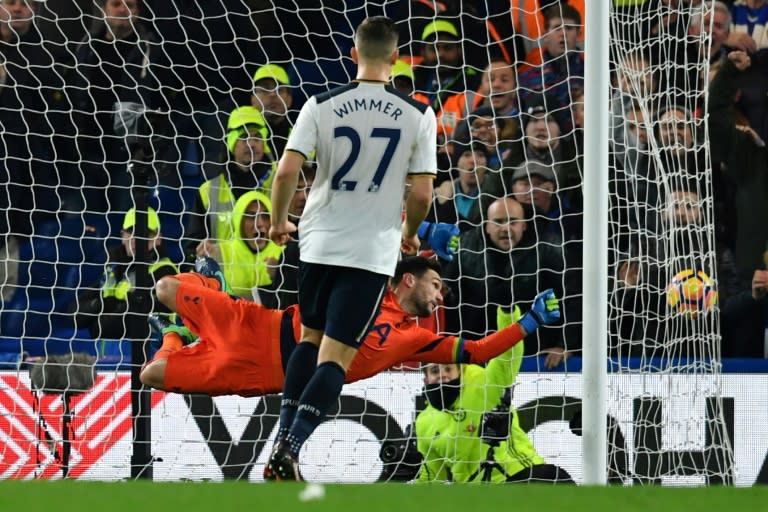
column 545, row 311
column 442, row 238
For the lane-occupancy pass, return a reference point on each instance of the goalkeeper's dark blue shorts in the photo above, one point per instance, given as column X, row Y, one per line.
column 342, row 302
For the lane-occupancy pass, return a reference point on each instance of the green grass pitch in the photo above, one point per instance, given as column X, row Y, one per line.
column 284, row 497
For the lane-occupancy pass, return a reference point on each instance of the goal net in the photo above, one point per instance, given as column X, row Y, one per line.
column 664, row 306
column 507, row 86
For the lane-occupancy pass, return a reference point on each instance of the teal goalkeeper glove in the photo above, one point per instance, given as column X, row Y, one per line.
column 545, row 311
column 442, row 238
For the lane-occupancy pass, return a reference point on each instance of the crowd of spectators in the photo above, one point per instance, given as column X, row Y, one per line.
column 507, row 87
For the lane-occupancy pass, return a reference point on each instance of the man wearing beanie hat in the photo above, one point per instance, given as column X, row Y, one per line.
column 537, row 186
column 249, row 167
column 457, row 200
column 272, row 97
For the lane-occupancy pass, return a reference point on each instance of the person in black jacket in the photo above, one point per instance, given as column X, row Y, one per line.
column 110, row 63
column 745, row 160
column 28, row 83
column 498, row 265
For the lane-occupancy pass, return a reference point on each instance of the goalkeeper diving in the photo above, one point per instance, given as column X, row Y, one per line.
column 230, row 346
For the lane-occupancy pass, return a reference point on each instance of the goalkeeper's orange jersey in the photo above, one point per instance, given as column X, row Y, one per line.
column 396, row 338
column 244, row 346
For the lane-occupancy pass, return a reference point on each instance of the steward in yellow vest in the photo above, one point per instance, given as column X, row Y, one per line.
column 249, row 260
column 250, row 166
column 103, row 310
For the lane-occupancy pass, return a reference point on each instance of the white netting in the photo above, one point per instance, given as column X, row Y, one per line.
column 509, row 90
column 663, row 309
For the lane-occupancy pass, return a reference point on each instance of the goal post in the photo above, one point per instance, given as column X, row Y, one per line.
column 595, row 318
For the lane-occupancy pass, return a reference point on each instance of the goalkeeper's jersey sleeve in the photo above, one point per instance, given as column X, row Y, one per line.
column 396, row 338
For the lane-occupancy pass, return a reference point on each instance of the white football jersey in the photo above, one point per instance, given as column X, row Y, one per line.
column 368, row 137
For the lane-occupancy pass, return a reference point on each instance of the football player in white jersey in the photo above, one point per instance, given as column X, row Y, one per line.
column 370, row 142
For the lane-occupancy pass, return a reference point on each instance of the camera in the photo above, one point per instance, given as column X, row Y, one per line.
column 495, row 424
column 401, row 458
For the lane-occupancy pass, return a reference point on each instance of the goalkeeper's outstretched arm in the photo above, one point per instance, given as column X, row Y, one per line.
column 446, row 350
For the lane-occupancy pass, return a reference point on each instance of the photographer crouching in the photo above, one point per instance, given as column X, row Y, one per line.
column 469, row 432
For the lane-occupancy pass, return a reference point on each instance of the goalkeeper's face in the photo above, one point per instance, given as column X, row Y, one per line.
column 421, row 295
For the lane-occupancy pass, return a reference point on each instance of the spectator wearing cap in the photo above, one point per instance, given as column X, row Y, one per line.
column 546, row 141
column 498, row 266
column 562, row 68
column 272, row 96
column 496, row 133
column 102, row 308
column 534, row 185
column 442, row 71
column 457, row 201
column 402, row 79
column 249, row 167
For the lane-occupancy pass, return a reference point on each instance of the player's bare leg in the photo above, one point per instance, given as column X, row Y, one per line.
column 337, row 352
column 166, row 289
column 153, row 374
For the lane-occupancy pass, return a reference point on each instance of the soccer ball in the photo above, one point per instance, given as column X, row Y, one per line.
column 691, row 292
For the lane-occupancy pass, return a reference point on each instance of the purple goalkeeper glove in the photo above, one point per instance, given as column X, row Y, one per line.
column 545, row 311
column 442, row 238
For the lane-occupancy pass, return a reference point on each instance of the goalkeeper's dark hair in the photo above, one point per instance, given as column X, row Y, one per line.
column 416, row 265
column 376, row 38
